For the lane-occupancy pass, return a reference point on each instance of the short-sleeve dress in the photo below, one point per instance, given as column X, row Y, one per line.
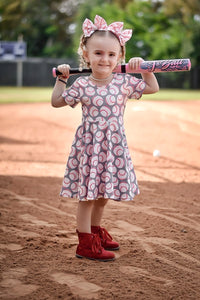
column 99, row 164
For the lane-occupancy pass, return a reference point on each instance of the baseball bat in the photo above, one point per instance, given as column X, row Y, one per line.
column 155, row 66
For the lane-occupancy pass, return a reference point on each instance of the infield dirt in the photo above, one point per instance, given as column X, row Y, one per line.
column 158, row 232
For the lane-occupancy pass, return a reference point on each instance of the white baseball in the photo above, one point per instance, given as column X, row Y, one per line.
column 156, row 153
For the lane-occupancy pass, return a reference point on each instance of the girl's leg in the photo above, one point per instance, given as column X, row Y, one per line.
column 84, row 213
column 89, row 243
column 97, row 211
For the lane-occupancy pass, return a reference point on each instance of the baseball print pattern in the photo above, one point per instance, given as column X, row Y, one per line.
column 99, row 163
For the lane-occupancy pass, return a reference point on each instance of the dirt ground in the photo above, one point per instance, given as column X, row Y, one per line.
column 159, row 232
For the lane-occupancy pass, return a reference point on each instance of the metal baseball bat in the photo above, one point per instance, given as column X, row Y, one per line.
column 155, row 66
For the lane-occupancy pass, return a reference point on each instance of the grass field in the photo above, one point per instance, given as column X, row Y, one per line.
column 43, row 94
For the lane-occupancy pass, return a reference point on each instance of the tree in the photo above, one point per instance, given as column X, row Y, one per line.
column 52, row 28
column 159, row 32
column 44, row 25
column 155, row 34
column 188, row 14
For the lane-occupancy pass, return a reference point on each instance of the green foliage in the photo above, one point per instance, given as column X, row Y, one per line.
column 161, row 29
column 43, row 25
column 158, row 33
column 187, row 13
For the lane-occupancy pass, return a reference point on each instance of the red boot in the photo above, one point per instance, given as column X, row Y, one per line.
column 90, row 247
column 106, row 239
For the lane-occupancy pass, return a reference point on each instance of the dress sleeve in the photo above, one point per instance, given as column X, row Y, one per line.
column 136, row 87
column 72, row 94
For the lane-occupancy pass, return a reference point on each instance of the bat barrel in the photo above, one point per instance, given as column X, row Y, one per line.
column 169, row 65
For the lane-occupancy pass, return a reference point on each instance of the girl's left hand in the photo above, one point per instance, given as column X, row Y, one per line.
column 135, row 62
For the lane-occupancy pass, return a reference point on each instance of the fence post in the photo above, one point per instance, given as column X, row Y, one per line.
column 19, row 73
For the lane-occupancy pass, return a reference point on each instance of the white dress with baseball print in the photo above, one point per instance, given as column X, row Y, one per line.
column 99, row 163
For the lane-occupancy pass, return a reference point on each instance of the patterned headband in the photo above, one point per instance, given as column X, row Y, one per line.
column 100, row 24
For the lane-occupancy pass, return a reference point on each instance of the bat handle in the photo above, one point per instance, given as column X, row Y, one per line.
column 72, row 71
column 119, row 69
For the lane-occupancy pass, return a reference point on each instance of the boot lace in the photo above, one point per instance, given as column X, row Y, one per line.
column 96, row 244
column 105, row 236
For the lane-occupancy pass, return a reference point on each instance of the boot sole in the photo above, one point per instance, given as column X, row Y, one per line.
column 109, row 259
column 112, row 249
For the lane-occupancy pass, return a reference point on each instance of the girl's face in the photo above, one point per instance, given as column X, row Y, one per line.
column 103, row 53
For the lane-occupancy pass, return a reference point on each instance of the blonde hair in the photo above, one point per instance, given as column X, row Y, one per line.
column 82, row 47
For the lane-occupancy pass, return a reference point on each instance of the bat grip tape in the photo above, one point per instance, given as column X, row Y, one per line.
column 123, row 68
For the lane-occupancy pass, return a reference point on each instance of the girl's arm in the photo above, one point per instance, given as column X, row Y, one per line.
column 149, row 78
column 151, row 83
column 56, row 99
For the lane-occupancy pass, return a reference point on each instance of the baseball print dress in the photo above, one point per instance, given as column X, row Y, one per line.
column 99, row 164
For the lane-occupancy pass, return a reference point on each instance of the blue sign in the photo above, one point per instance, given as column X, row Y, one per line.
column 12, row 50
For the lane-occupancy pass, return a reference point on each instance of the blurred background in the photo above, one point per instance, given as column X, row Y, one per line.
column 47, row 33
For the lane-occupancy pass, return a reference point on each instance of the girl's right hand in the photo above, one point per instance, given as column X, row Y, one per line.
column 56, row 99
column 64, row 69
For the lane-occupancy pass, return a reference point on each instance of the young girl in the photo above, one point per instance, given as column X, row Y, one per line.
column 99, row 166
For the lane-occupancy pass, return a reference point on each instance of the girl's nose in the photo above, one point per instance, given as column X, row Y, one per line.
column 104, row 58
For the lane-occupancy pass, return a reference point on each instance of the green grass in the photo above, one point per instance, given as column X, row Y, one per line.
column 43, row 94
column 173, row 95
column 25, row 94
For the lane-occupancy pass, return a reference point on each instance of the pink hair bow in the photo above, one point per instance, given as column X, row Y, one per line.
column 100, row 24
